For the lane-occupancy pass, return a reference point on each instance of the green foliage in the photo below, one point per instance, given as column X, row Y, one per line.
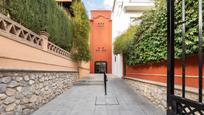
column 71, row 34
column 43, row 15
column 80, row 49
column 150, row 41
column 3, row 9
column 122, row 41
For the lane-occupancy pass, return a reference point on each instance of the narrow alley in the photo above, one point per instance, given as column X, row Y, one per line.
column 87, row 98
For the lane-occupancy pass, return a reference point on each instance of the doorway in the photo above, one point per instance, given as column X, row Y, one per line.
column 100, row 67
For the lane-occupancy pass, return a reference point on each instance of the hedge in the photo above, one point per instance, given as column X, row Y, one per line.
column 3, row 10
column 122, row 41
column 43, row 15
column 150, row 41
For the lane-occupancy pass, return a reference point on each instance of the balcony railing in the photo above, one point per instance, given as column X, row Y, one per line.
column 138, row 5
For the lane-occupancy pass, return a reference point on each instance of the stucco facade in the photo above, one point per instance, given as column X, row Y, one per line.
column 101, row 39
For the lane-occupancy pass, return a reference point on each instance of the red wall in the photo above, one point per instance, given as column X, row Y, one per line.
column 157, row 71
column 101, row 38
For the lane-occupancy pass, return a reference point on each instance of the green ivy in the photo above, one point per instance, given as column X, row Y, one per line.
column 80, row 49
column 150, row 41
column 43, row 15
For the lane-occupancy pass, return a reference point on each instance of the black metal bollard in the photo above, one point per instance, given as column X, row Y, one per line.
column 105, row 80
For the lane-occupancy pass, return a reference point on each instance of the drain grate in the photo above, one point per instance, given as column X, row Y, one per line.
column 106, row 101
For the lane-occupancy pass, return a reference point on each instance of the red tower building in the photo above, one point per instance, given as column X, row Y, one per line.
column 101, row 41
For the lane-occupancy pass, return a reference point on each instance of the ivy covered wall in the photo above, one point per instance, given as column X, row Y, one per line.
column 150, row 40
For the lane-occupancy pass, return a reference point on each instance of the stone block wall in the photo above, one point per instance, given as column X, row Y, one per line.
column 157, row 92
column 21, row 93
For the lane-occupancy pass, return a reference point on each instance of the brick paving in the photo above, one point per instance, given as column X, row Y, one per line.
column 87, row 98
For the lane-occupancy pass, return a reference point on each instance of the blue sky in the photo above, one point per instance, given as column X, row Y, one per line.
column 97, row 4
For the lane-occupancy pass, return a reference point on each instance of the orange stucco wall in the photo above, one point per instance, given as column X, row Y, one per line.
column 157, row 71
column 101, row 38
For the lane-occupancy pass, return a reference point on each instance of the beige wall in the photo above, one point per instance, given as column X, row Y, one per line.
column 21, row 49
column 84, row 69
column 15, row 55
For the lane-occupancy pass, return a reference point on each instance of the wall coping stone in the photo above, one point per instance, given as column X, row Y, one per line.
column 164, row 75
column 177, row 87
column 37, row 71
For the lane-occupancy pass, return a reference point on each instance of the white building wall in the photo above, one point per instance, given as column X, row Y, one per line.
column 121, row 21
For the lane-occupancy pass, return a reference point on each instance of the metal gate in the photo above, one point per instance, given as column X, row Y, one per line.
column 180, row 105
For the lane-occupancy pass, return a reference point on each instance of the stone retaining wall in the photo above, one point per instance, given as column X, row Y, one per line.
column 21, row 93
column 156, row 92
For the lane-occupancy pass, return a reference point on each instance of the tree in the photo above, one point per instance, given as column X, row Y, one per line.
column 80, row 50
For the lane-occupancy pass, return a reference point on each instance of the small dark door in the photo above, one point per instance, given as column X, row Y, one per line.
column 100, row 67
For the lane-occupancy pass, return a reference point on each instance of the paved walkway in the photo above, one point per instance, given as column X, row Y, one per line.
column 89, row 99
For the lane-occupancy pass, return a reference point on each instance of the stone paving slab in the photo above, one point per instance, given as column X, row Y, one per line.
column 82, row 100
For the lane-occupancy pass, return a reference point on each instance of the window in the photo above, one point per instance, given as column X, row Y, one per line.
column 100, row 50
column 100, row 24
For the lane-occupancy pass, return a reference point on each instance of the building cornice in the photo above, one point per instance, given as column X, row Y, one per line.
column 101, row 16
